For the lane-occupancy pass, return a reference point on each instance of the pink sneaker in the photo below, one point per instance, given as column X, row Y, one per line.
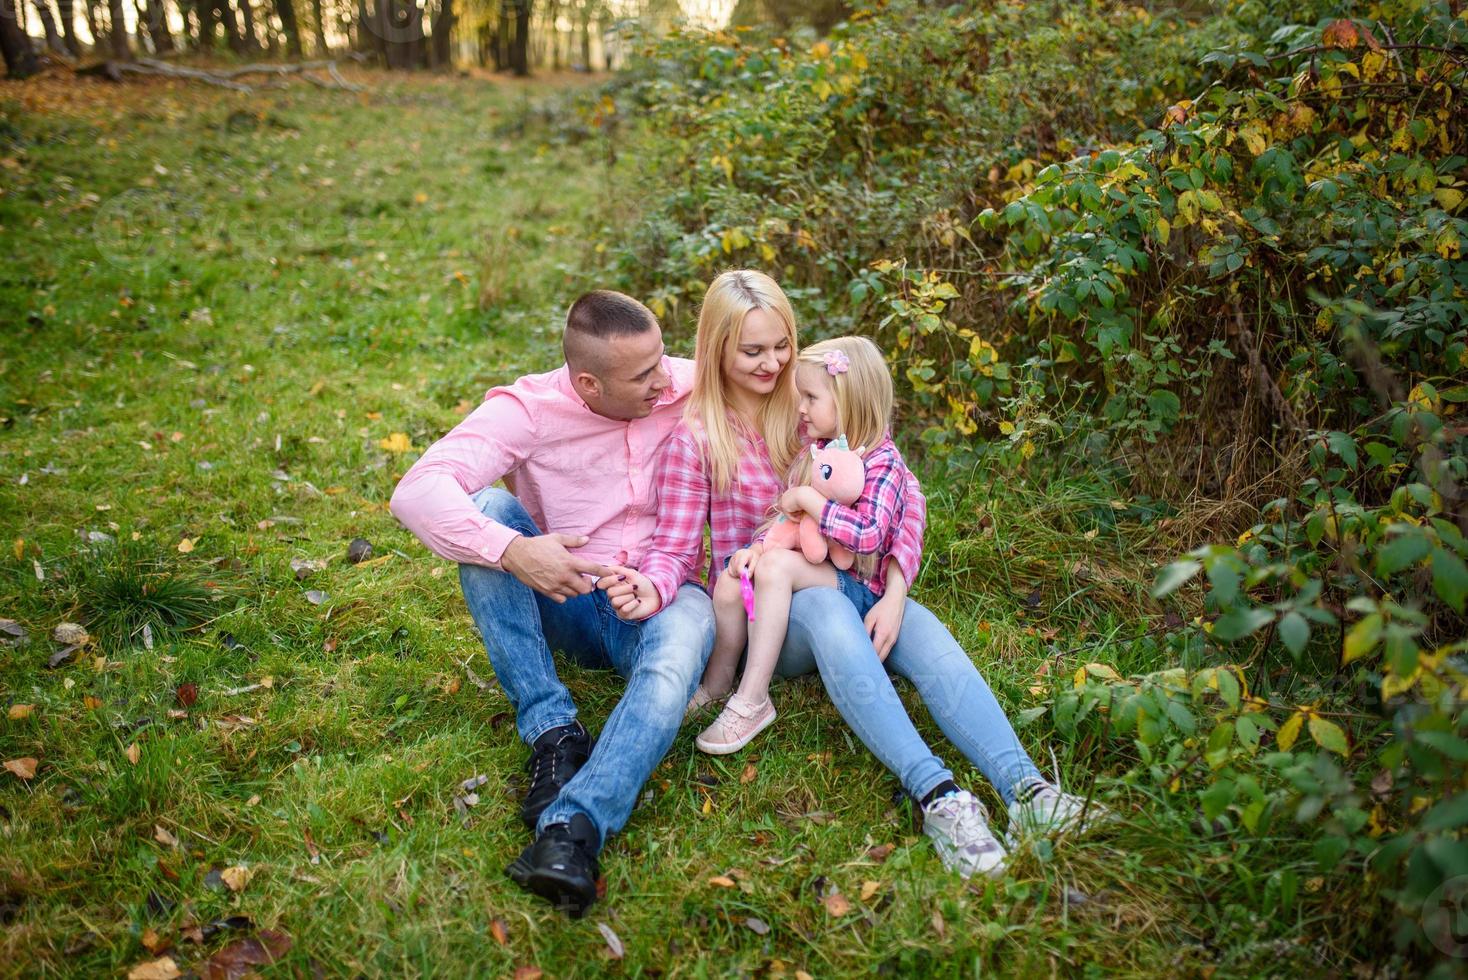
column 701, row 699
column 740, row 721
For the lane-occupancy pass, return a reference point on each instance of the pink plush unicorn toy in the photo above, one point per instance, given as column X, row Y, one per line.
column 839, row 474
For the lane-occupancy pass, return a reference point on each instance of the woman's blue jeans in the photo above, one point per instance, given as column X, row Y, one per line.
column 826, row 634
column 662, row 659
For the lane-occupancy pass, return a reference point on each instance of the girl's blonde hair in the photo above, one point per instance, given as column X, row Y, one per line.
column 863, row 396
column 729, row 299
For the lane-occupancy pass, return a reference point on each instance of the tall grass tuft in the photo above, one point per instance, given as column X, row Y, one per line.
column 124, row 593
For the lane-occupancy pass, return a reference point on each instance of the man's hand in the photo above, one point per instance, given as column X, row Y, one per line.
column 744, row 559
column 543, row 563
column 631, row 594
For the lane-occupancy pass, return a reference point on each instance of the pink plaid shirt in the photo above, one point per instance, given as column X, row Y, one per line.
column 687, row 504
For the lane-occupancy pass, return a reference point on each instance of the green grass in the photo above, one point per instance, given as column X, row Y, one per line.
column 216, row 308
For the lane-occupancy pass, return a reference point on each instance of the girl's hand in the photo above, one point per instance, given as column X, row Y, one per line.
column 632, row 596
column 744, row 560
column 802, row 500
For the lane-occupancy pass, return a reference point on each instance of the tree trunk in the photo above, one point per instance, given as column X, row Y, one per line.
column 586, row 34
column 67, row 11
column 48, row 24
column 193, row 28
column 520, row 45
column 94, row 24
column 286, row 11
column 121, row 50
column 158, row 29
column 319, row 27
column 443, row 26
column 15, row 46
column 232, row 35
column 247, row 23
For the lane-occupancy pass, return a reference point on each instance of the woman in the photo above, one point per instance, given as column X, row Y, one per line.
column 721, row 469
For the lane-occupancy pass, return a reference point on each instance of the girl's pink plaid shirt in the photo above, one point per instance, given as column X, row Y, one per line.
column 687, row 504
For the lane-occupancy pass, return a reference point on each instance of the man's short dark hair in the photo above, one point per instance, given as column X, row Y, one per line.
column 601, row 314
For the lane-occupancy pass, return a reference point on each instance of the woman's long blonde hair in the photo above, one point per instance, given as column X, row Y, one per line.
column 729, row 299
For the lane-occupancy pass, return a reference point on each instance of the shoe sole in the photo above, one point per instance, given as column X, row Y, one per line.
column 729, row 748
column 568, row 894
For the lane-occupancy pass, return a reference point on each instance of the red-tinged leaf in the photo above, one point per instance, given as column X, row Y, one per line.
column 880, row 853
column 614, row 942
column 241, row 957
column 749, row 774
column 836, row 904
column 1341, row 34
column 500, row 931
column 153, row 942
column 527, row 973
column 187, row 694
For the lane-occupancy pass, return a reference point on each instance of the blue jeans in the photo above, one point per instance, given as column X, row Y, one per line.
column 662, row 659
column 826, row 634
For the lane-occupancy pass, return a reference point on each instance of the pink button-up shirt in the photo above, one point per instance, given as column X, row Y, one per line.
column 575, row 471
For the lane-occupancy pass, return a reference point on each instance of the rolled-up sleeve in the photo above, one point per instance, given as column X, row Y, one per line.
column 683, row 511
column 433, row 498
column 864, row 527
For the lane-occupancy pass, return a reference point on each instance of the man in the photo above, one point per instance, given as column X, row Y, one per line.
column 576, row 448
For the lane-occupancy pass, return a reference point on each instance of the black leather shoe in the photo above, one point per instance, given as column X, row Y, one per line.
column 554, row 759
column 561, row 866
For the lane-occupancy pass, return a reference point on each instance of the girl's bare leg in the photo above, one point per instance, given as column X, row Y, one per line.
column 731, row 631
column 778, row 575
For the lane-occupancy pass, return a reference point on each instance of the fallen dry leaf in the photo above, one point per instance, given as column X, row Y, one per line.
column 133, row 753
column 721, row 881
column 91, row 702
column 757, row 926
column 163, row 968
column 24, row 768
column 19, row 711
column 162, row 836
column 153, row 942
column 748, row 775
column 939, row 926
column 316, row 597
column 187, row 694
column 614, row 942
column 868, row 889
column 836, row 904
column 186, row 545
column 68, row 633
column 236, row 877
column 239, row 958
column 398, row 442
column 500, row 931
column 879, row 853
column 527, row 973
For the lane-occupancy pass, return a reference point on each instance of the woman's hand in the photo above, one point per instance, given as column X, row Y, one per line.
column 744, row 560
column 883, row 621
column 632, row 596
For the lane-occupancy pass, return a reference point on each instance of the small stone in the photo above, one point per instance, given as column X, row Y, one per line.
column 359, row 550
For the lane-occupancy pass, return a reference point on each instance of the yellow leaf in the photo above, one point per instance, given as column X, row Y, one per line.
column 721, row 881
column 398, row 442
column 1164, row 230
column 708, row 806
column 19, row 711
column 1102, row 670
column 159, row 969
column 186, row 545
column 1393, row 685
column 236, row 877
column 868, row 889
column 1027, row 449
column 766, row 252
column 1328, row 735
column 1006, row 428
column 1290, row 731
column 19, row 548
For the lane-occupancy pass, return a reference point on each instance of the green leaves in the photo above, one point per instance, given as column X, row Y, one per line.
column 1174, row 576
column 1239, row 623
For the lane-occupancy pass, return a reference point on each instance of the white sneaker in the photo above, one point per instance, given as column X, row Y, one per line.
column 959, row 827
column 1050, row 812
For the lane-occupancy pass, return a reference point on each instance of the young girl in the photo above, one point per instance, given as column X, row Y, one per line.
column 844, row 390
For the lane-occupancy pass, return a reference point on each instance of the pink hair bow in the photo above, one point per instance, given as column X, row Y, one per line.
column 836, row 362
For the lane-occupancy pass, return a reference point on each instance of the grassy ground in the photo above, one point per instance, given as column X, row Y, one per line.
column 226, row 317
